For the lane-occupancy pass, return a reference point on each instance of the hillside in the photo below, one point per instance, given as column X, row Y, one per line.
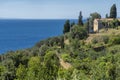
column 75, row 55
column 103, row 32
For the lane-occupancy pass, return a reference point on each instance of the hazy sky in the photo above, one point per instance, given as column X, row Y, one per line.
column 52, row 9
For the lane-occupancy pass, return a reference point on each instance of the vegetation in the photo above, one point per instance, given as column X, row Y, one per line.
column 83, row 58
column 113, row 11
column 78, row 32
column 72, row 24
column 106, row 16
column 66, row 26
column 76, row 55
column 87, row 25
column 93, row 16
column 80, row 21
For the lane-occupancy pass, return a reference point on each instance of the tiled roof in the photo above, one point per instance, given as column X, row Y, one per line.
column 106, row 19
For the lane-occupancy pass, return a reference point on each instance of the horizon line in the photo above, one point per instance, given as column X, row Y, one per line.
column 40, row 18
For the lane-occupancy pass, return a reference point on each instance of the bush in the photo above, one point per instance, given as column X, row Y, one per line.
column 103, row 39
column 95, row 40
column 39, row 44
column 66, row 57
column 75, row 44
column 115, row 40
column 114, row 49
column 51, row 42
column 115, row 23
column 43, row 50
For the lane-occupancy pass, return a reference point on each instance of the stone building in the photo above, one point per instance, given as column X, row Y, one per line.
column 98, row 23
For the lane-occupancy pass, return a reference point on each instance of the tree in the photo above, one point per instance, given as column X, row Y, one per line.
column 113, row 11
column 66, row 26
column 34, row 67
column 116, row 23
column 106, row 16
column 10, row 66
column 21, row 72
column 62, row 42
column 78, row 32
column 2, row 72
column 72, row 24
column 93, row 16
column 80, row 22
column 87, row 25
column 51, row 65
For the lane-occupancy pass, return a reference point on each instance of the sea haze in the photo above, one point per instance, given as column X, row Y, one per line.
column 21, row 34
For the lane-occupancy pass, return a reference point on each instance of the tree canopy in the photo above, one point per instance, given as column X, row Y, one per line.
column 92, row 17
column 95, row 15
column 113, row 11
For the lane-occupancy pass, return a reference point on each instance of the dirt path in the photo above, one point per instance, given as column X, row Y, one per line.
column 64, row 64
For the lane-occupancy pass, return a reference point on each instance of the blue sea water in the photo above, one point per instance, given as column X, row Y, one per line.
column 21, row 34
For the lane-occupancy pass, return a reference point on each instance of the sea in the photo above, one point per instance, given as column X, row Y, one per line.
column 17, row 34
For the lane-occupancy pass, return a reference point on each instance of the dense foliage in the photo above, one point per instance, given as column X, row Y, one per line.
column 113, row 11
column 78, row 32
column 76, row 55
column 77, row 60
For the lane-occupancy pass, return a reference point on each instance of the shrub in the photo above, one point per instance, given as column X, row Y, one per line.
column 66, row 57
column 105, row 39
column 114, row 49
column 115, row 40
column 114, row 23
column 95, row 40
column 98, row 39
column 39, row 44
column 51, row 41
column 75, row 44
column 43, row 50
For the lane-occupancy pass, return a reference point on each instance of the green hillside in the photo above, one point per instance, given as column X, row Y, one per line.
column 75, row 55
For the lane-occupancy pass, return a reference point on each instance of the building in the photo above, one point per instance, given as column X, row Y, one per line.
column 98, row 23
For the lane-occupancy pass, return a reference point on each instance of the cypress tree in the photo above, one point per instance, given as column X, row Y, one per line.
column 113, row 11
column 87, row 25
column 106, row 16
column 80, row 22
column 66, row 26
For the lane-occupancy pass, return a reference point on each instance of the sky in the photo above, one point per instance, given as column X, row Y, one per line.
column 54, row 9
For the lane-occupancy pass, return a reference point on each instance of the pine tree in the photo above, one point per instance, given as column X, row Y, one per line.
column 113, row 11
